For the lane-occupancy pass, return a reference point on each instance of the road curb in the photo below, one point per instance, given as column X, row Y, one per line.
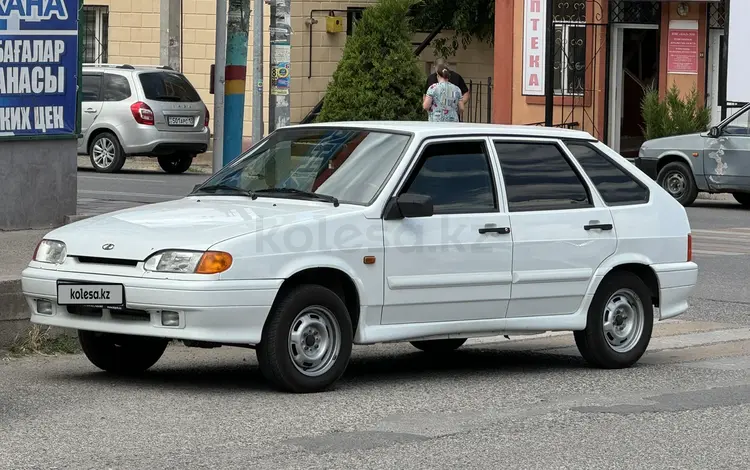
column 14, row 314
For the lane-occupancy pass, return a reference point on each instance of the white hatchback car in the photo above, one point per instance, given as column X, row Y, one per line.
column 327, row 235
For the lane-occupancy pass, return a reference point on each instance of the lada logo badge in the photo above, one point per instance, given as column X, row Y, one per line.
column 108, row 247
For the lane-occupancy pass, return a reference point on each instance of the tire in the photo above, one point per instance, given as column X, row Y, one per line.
column 175, row 164
column 283, row 362
column 742, row 198
column 677, row 179
column 439, row 345
column 121, row 354
column 597, row 345
column 106, row 154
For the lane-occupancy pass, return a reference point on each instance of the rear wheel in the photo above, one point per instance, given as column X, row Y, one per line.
column 121, row 354
column 175, row 164
column 677, row 179
column 106, row 153
column 742, row 198
column 439, row 345
column 619, row 324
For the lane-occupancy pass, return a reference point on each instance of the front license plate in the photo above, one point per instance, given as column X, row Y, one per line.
column 90, row 294
column 180, row 121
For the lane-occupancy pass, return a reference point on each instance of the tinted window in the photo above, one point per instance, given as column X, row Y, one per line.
column 91, row 87
column 539, row 177
column 166, row 86
column 116, row 88
column 457, row 176
column 613, row 183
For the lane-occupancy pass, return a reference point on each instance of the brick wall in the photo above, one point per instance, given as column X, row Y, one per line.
column 133, row 31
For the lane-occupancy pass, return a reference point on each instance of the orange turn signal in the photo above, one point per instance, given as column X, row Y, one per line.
column 214, row 262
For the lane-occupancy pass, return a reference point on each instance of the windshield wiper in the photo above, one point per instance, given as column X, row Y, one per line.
column 299, row 192
column 226, row 187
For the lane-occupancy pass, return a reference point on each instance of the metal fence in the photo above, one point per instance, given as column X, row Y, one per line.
column 479, row 107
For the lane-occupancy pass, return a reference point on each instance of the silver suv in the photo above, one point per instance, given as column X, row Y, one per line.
column 130, row 111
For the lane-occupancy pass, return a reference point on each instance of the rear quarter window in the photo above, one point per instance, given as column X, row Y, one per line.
column 166, row 86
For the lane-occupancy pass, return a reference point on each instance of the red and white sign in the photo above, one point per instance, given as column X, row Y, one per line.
column 534, row 32
column 682, row 49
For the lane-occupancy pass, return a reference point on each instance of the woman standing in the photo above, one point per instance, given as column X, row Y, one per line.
column 443, row 99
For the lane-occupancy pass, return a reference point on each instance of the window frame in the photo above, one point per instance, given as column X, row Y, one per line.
column 101, row 86
column 415, row 165
column 100, row 32
column 613, row 162
column 567, row 156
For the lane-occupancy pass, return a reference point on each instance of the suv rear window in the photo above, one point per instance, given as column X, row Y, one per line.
column 164, row 86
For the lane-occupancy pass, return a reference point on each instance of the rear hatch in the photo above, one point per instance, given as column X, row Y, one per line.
column 177, row 107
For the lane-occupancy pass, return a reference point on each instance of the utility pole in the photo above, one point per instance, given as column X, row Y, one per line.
column 238, row 24
column 257, row 71
column 170, row 41
column 220, row 60
column 279, row 109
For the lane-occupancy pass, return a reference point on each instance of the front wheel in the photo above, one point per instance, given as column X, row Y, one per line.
column 439, row 345
column 619, row 324
column 175, row 164
column 121, row 354
column 307, row 340
column 677, row 179
column 742, row 198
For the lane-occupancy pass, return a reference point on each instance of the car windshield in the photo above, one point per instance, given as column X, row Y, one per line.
column 168, row 86
column 334, row 164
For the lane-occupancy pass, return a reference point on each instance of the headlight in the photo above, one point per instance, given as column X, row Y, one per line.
column 50, row 251
column 189, row 262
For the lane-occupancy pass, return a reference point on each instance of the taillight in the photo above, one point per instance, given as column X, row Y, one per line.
column 690, row 248
column 142, row 113
column 208, row 118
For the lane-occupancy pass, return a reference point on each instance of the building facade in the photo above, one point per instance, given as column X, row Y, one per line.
column 607, row 54
column 128, row 32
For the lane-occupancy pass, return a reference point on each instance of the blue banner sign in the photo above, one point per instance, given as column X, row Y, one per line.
column 38, row 67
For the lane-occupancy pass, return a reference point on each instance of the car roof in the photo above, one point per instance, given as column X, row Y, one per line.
column 127, row 68
column 440, row 129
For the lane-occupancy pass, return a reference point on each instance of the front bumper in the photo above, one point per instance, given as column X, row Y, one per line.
column 676, row 283
column 227, row 312
column 647, row 166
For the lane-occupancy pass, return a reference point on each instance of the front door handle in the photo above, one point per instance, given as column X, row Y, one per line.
column 503, row 230
column 90, row 110
column 598, row 227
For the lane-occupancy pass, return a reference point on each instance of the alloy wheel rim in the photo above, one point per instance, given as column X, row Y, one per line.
column 104, row 153
column 314, row 341
column 623, row 320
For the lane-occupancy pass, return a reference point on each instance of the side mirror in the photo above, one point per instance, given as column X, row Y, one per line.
column 714, row 132
column 409, row 205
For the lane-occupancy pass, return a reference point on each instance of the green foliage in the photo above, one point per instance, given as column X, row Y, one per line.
column 674, row 115
column 378, row 78
column 467, row 19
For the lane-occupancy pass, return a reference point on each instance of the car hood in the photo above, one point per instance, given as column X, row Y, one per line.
column 688, row 142
column 192, row 223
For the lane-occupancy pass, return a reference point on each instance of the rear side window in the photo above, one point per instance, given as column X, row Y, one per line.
column 116, row 88
column 165, row 86
column 91, row 87
column 614, row 184
column 538, row 177
column 457, row 176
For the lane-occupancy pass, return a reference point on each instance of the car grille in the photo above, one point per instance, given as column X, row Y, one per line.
column 115, row 313
column 109, row 261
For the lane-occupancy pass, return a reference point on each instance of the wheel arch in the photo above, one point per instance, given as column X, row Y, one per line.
column 671, row 157
column 99, row 131
column 335, row 279
column 645, row 272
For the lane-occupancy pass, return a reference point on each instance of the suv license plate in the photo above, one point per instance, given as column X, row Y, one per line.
column 90, row 294
column 180, row 121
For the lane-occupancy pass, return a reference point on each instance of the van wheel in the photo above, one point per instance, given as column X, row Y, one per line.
column 677, row 179
column 439, row 345
column 121, row 354
column 175, row 164
column 619, row 324
column 742, row 198
column 106, row 153
column 307, row 340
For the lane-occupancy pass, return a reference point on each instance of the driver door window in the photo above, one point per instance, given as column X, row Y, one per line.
column 739, row 126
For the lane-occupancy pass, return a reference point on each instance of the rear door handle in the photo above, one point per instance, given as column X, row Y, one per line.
column 503, row 230
column 598, row 227
column 90, row 110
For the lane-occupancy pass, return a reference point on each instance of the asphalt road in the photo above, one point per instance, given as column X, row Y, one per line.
column 521, row 404
column 136, row 186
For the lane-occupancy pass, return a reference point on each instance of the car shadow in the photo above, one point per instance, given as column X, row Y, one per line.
column 126, row 171
column 363, row 371
column 718, row 205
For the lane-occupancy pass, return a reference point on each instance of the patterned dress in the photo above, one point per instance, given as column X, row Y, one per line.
column 445, row 98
